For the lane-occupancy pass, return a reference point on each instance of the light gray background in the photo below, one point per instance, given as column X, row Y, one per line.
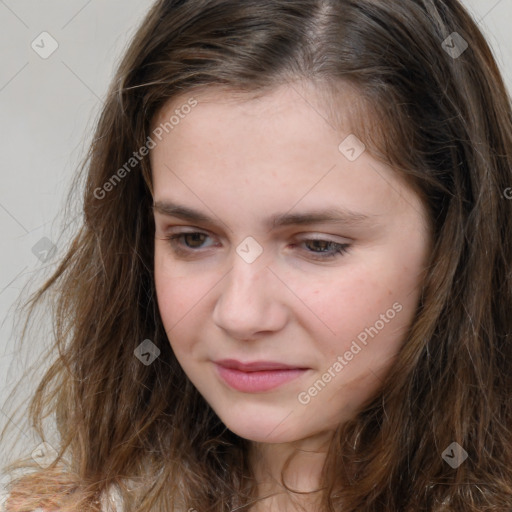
column 48, row 108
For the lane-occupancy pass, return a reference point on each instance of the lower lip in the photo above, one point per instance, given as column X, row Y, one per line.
column 255, row 382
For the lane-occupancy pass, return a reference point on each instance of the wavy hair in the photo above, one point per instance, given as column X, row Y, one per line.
column 435, row 111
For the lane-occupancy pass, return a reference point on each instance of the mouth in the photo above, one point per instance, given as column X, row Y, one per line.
column 256, row 376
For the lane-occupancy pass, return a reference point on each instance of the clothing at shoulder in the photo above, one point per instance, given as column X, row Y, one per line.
column 109, row 503
column 112, row 502
column 3, row 499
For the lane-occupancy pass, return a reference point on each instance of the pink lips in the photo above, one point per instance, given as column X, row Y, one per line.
column 256, row 376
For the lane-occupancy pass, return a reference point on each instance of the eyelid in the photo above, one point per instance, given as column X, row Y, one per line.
column 339, row 251
column 325, row 237
column 314, row 234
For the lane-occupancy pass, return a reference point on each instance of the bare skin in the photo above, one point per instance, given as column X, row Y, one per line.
column 240, row 162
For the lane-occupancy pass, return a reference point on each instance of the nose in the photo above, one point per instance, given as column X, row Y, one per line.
column 251, row 300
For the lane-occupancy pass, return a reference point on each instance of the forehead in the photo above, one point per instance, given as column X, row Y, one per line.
column 265, row 153
column 300, row 116
column 338, row 104
column 287, row 127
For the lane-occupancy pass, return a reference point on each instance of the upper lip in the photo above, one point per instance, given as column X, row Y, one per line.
column 255, row 366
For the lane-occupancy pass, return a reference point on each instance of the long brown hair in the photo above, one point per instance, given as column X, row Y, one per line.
column 442, row 118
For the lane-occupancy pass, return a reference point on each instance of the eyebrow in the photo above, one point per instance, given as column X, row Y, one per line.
column 330, row 215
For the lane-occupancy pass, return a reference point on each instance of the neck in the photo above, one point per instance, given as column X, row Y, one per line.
column 301, row 473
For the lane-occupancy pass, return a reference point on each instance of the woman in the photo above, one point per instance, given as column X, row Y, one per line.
column 212, row 355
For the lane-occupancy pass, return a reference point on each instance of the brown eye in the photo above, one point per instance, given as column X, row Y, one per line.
column 187, row 242
column 320, row 245
column 194, row 238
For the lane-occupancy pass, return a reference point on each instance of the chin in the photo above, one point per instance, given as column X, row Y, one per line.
column 269, row 428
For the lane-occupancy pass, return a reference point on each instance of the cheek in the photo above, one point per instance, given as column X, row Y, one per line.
column 174, row 292
column 178, row 298
column 181, row 298
column 347, row 300
column 372, row 306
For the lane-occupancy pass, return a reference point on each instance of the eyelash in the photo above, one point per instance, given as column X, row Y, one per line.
column 340, row 249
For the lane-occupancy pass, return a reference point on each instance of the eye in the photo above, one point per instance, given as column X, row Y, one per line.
column 187, row 243
column 336, row 249
column 194, row 237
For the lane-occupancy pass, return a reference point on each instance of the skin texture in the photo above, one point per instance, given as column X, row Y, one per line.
column 239, row 161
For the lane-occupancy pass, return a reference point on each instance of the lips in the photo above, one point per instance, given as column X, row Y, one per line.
column 256, row 376
column 255, row 366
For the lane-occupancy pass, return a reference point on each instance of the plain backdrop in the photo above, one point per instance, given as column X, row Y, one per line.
column 48, row 109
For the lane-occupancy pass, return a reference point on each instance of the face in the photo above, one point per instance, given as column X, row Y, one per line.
column 288, row 268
